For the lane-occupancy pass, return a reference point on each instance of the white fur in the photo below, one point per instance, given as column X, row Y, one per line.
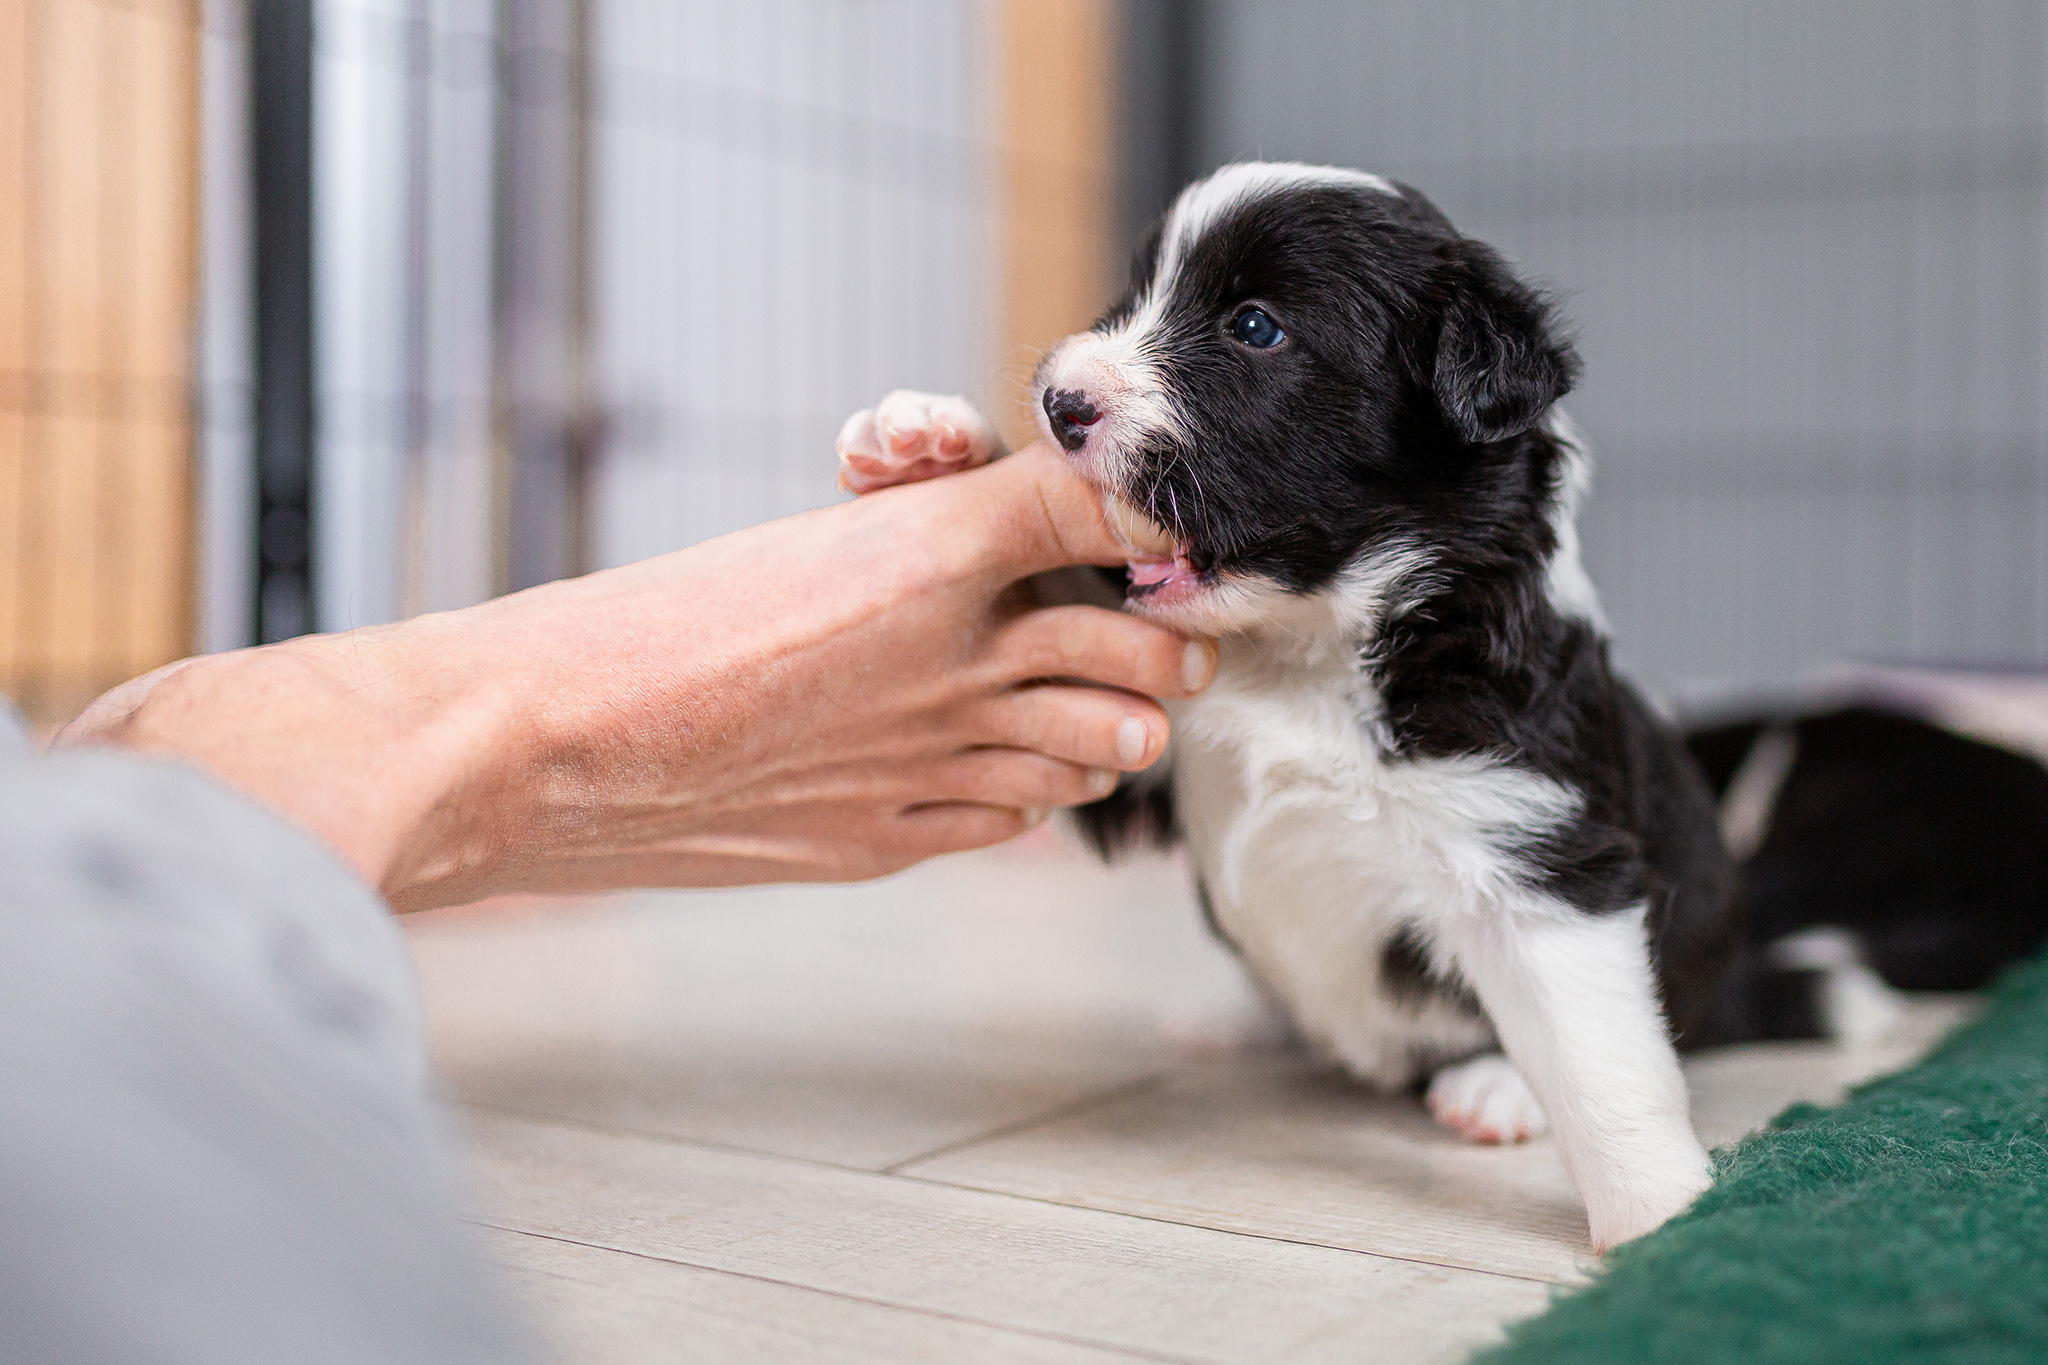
column 1486, row 1100
column 1201, row 204
column 1752, row 797
column 1120, row 374
column 1572, row 998
column 1316, row 848
column 1856, row 1006
column 910, row 436
column 1567, row 584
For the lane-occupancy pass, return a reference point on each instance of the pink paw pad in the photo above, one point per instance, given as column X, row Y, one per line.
column 908, row 437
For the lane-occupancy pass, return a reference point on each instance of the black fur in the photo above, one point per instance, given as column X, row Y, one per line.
column 1403, row 411
column 1930, row 847
column 1135, row 815
column 1412, row 978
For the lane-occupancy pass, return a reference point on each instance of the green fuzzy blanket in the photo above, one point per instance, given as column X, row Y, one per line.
column 1910, row 1224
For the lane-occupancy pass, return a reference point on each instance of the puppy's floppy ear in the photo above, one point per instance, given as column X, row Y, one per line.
column 1499, row 361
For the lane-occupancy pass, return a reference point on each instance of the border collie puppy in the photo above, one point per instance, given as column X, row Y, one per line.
column 1439, row 830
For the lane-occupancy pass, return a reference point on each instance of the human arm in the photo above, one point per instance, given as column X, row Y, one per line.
column 827, row 697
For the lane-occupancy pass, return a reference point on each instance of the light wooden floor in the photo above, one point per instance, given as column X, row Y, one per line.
column 979, row 1112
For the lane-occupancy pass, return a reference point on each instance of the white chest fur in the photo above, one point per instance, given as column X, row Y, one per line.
column 1316, row 848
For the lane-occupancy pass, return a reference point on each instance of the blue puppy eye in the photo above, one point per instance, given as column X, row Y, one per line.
column 1255, row 329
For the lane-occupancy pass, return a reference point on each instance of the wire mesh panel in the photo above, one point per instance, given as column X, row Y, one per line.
column 793, row 214
column 98, row 129
column 404, row 106
column 1803, row 245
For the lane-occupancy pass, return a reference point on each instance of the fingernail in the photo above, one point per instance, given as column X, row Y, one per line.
column 1101, row 781
column 1034, row 816
column 1132, row 739
column 1198, row 665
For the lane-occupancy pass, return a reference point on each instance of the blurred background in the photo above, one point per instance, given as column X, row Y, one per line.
column 319, row 313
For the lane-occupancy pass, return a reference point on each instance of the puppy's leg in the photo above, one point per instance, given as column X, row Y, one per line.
column 908, row 437
column 1486, row 1100
column 1572, row 998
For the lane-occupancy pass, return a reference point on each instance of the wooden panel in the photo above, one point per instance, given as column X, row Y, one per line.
column 163, row 180
column 1056, row 60
column 1293, row 1150
column 149, row 603
column 98, row 227
column 1288, row 1149
column 1098, row 1279
column 860, row 1025
column 75, row 212
column 14, row 427
column 1238, row 1201
column 17, row 86
column 600, row 1307
column 60, row 586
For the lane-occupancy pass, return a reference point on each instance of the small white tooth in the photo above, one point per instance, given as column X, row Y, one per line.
column 1137, row 530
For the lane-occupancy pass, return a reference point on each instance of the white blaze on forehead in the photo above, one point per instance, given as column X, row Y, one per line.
column 1201, row 204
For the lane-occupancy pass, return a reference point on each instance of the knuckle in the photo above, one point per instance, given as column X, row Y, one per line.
column 1040, row 655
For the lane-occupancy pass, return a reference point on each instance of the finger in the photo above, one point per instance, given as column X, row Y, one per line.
column 1096, row 727
column 1106, row 647
column 954, row 827
column 1016, row 778
column 1042, row 514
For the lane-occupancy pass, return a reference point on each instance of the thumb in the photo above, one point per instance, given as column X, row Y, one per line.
column 1046, row 516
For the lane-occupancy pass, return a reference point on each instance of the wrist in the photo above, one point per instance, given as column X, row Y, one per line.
column 371, row 740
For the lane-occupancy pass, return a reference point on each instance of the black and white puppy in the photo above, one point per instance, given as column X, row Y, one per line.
column 1422, row 807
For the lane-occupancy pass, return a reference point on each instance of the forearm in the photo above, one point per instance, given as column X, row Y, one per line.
column 832, row 696
column 367, row 739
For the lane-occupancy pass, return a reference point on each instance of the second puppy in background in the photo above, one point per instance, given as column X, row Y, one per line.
column 1437, row 827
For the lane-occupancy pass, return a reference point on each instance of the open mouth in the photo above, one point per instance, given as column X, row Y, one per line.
column 1163, row 567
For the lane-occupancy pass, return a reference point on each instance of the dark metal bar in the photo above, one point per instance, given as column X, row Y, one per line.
column 281, row 136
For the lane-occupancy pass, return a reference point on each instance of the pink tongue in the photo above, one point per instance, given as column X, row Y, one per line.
column 1149, row 571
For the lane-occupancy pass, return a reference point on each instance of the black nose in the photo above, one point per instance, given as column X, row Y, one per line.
column 1071, row 414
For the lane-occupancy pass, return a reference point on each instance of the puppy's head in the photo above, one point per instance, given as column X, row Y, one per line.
column 1312, row 376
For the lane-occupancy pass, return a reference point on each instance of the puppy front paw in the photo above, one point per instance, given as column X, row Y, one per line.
column 1485, row 1100
column 908, row 437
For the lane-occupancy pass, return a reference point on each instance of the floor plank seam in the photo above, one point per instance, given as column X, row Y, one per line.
column 1530, row 1278
column 1101, row 1099
column 665, row 1139
column 898, row 1172
column 1064, row 1338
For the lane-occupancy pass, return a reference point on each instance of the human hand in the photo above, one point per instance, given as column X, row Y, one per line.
column 831, row 696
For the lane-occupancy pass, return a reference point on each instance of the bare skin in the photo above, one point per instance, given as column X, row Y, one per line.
column 828, row 697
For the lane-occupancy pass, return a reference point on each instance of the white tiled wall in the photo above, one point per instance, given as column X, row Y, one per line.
column 793, row 215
